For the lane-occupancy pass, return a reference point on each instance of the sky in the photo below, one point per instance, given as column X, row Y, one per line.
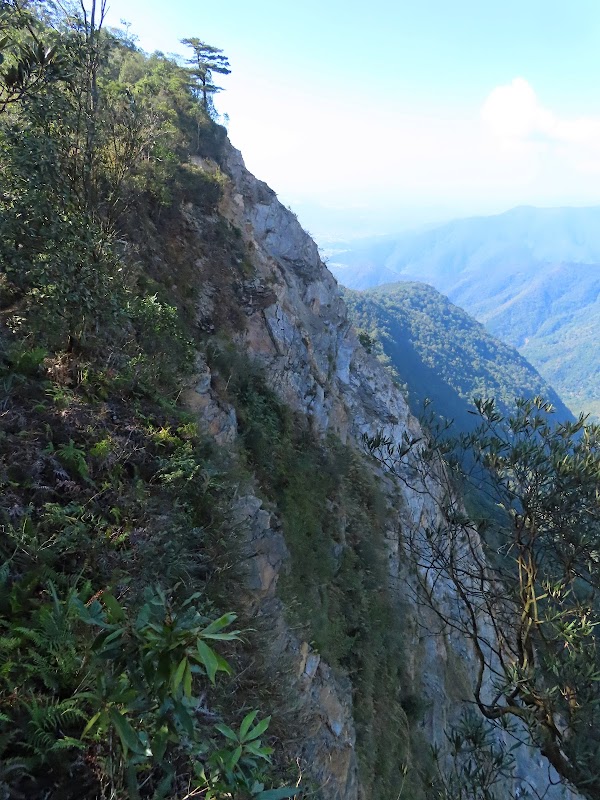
column 368, row 118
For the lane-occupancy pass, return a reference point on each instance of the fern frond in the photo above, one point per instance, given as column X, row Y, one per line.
column 71, row 715
column 68, row 743
column 43, row 730
column 15, row 767
column 40, row 742
column 31, row 634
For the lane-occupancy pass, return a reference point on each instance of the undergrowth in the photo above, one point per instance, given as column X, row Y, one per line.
column 112, row 508
column 115, row 653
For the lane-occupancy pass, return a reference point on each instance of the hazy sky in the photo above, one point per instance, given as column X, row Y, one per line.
column 371, row 116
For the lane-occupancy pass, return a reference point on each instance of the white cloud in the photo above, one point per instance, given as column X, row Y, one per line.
column 513, row 111
column 514, row 115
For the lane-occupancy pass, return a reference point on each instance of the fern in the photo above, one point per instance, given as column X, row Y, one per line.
column 45, row 730
column 12, row 768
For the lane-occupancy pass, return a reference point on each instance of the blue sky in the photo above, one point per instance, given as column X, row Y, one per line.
column 372, row 117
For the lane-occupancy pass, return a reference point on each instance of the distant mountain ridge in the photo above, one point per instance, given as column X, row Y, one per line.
column 442, row 354
column 531, row 275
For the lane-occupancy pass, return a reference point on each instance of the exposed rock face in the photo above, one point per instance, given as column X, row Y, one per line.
column 218, row 420
column 294, row 321
column 304, row 336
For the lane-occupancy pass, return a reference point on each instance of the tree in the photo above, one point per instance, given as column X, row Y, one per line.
column 523, row 582
column 78, row 147
column 207, row 59
column 28, row 60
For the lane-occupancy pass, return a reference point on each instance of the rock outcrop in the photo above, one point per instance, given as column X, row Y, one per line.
column 288, row 314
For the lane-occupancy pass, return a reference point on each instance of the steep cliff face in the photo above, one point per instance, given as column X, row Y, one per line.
column 276, row 301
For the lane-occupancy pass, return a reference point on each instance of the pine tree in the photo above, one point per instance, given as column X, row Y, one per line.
column 206, row 60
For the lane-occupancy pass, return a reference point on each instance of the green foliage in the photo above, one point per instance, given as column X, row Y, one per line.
column 55, row 261
column 65, row 284
column 164, row 350
column 72, row 457
column 91, row 674
column 238, row 762
column 366, row 340
column 29, row 58
column 478, row 765
column 80, row 157
column 116, row 686
column 537, row 586
column 25, row 361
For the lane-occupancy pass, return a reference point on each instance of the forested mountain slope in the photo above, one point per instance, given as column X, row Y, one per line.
column 532, row 276
column 438, row 352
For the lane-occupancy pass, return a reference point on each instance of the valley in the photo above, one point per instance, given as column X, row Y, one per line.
column 531, row 276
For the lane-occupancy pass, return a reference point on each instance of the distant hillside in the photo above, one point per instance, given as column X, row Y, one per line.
column 439, row 352
column 532, row 276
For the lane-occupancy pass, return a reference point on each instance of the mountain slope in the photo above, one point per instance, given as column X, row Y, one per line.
column 439, row 352
column 532, row 276
column 183, row 405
